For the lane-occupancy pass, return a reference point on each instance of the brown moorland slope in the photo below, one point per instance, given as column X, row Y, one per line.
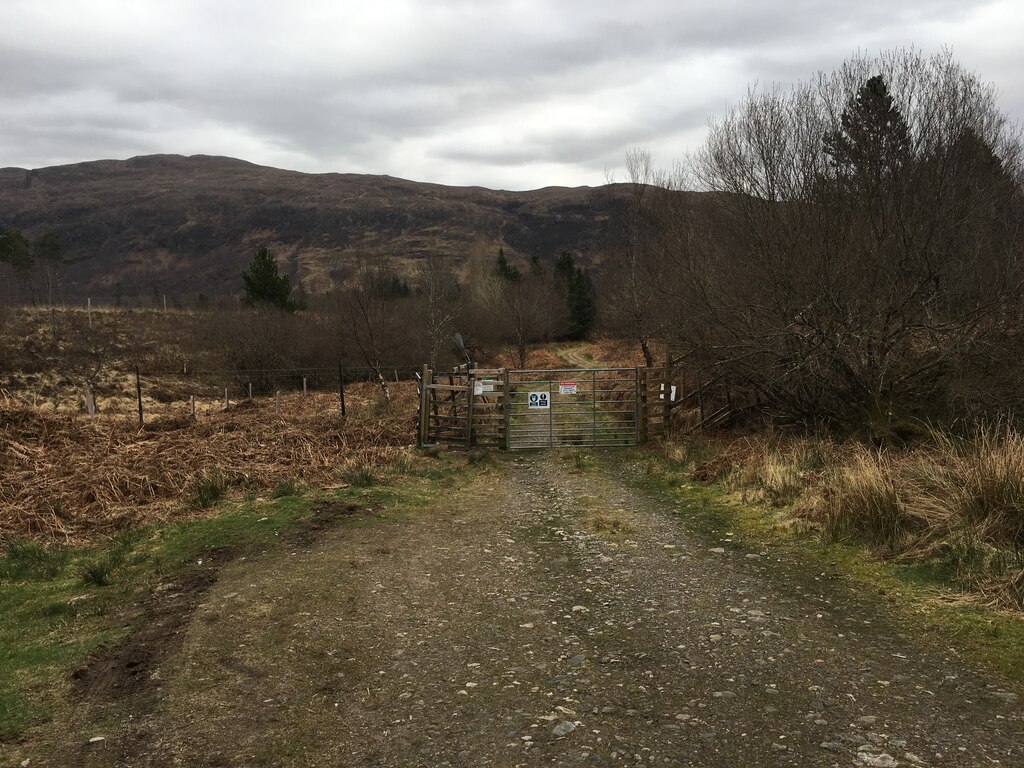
column 183, row 225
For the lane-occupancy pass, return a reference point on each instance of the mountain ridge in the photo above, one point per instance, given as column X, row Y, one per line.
column 185, row 225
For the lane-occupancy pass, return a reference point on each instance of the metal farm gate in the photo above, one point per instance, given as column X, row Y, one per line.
column 515, row 409
column 592, row 408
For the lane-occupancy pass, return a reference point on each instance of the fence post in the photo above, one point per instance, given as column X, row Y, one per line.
column 700, row 400
column 277, row 403
column 641, row 404
column 192, row 406
column 250, row 390
column 90, row 401
column 507, row 407
column 305, row 391
column 138, row 393
column 225, row 398
column 424, row 405
column 88, row 310
column 666, row 413
column 469, row 411
column 341, row 390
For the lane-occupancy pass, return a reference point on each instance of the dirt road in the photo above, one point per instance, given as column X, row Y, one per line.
column 546, row 616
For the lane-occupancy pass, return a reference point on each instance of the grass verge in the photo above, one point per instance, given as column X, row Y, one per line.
column 921, row 594
column 58, row 604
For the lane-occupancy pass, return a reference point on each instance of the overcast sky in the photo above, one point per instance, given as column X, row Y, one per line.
column 511, row 94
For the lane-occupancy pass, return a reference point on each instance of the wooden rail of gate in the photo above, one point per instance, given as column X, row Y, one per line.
column 491, row 407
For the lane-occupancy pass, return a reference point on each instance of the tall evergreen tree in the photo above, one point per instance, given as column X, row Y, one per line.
column 14, row 250
column 578, row 291
column 582, row 305
column 505, row 270
column 265, row 285
column 873, row 142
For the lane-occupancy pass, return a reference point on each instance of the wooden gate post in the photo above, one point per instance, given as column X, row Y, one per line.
column 424, row 406
column 469, row 410
column 641, row 405
column 507, row 408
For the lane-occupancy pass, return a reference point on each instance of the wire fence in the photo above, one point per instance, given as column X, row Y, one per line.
column 150, row 393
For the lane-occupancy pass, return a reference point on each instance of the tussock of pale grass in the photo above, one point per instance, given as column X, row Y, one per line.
column 984, row 485
column 957, row 503
column 777, row 472
column 606, row 521
column 866, row 501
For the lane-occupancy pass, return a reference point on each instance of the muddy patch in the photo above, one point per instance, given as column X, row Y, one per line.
column 126, row 669
column 325, row 516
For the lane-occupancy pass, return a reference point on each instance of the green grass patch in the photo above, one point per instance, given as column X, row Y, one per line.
column 361, row 475
column 209, row 488
column 58, row 604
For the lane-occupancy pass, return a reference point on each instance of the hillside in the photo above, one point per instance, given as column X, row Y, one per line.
column 183, row 225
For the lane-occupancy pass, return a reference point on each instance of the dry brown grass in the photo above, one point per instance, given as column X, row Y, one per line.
column 66, row 478
column 956, row 503
column 609, row 522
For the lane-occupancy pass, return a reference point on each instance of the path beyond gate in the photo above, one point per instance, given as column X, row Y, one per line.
column 515, row 409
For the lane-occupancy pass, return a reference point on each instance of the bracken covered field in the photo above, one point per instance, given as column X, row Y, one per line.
column 66, row 478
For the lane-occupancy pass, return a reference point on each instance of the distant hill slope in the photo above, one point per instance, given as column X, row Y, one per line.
column 183, row 225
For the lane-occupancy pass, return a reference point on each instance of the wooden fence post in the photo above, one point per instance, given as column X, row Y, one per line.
column 192, row 406
column 666, row 412
column 423, row 435
column 90, row 401
column 225, row 398
column 341, row 390
column 305, row 391
column 469, row 411
column 250, row 390
column 641, row 404
column 277, row 403
column 507, row 408
column 138, row 393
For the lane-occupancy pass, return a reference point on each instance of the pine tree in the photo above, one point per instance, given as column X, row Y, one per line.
column 874, row 141
column 582, row 305
column 14, row 250
column 536, row 268
column 505, row 270
column 578, row 291
column 264, row 285
column 565, row 270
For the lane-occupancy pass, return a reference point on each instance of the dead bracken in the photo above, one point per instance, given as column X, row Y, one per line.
column 65, row 478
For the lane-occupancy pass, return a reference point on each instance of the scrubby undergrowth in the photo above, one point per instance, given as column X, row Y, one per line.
column 68, row 479
column 954, row 504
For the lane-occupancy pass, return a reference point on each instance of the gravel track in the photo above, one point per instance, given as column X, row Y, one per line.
column 504, row 628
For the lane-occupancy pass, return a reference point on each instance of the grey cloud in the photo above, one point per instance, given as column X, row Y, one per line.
column 477, row 92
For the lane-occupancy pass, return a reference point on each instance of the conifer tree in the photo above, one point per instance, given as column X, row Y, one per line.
column 873, row 142
column 264, row 285
column 505, row 270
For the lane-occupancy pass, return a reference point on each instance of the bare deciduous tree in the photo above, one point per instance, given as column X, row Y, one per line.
column 865, row 247
column 437, row 301
column 375, row 319
column 532, row 311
